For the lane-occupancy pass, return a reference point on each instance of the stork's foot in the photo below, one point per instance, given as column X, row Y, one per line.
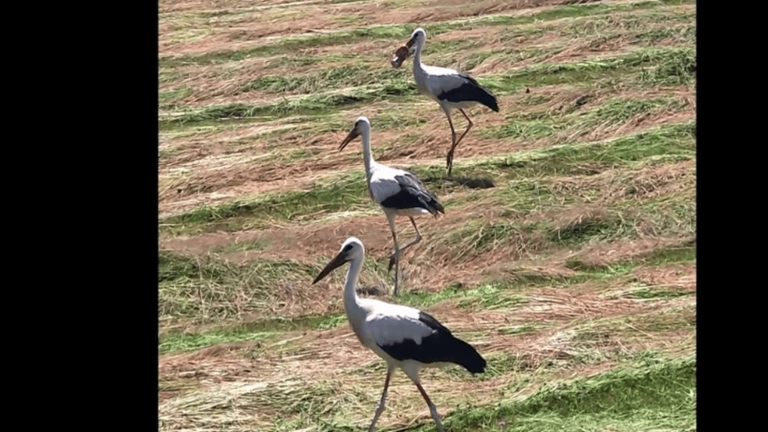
column 449, row 163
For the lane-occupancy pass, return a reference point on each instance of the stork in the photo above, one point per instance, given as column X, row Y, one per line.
column 403, row 336
column 398, row 192
column 451, row 89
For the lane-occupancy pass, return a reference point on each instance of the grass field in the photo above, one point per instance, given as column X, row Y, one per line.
column 574, row 275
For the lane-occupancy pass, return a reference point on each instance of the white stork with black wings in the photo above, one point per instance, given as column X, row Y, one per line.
column 403, row 336
column 450, row 88
column 398, row 192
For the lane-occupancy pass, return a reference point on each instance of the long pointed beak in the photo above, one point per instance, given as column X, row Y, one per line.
column 352, row 135
column 337, row 262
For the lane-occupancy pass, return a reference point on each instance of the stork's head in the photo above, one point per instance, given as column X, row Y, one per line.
column 362, row 125
column 351, row 249
column 418, row 37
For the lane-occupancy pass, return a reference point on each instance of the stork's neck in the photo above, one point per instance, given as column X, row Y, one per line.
column 417, row 66
column 352, row 305
column 367, row 154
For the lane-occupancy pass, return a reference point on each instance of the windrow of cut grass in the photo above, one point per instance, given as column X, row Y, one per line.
column 649, row 66
column 346, row 193
column 660, row 394
column 566, row 256
column 214, row 289
column 192, row 300
column 332, row 71
column 291, row 45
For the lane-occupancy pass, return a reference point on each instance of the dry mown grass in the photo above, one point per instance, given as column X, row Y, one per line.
column 578, row 261
column 577, row 330
column 252, row 28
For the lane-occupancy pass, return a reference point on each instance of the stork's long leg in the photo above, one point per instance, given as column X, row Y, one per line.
column 469, row 126
column 393, row 257
column 449, row 158
column 456, row 143
column 380, row 408
column 432, row 408
column 391, row 220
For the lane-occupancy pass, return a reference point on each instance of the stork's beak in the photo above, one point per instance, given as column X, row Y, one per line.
column 410, row 47
column 331, row 266
column 352, row 135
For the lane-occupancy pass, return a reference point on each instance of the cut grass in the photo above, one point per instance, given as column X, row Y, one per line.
column 573, row 125
column 242, row 246
column 347, row 192
column 287, row 45
column 670, row 61
column 683, row 253
column 591, row 158
column 661, row 395
column 563, row 194
column 303, row 105
column 667, row 66
column 248, row 331
column 206, row 288
column 179, row 342
column 359, row 70
column 501, row 294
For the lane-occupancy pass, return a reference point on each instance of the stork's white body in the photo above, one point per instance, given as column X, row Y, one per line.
column 450, row 88
column 404, row 337
column 398, row 192
column 379, row 323
column 433, row 81
column 383, row 185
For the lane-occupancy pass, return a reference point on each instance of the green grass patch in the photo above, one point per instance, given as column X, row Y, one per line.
column 667, row 61
column 673, row 254
column 175, row 342
column 242, row 246
column 656, row 396
column 657, row 257
column 317, row 104
column 658, row 293
column 346, row 193
column 592, row 158
column 587, row 228
column 677, row 70
column 247, row 331
column 324, row 80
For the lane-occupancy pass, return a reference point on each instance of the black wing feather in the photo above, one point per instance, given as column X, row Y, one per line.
column 440, row 347
column 470, row 91
column 413, row 194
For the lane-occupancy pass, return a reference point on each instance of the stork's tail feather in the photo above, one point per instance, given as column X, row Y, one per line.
column 433, row 205
column 465, row 355
column 488, row 99
column 437, row 207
